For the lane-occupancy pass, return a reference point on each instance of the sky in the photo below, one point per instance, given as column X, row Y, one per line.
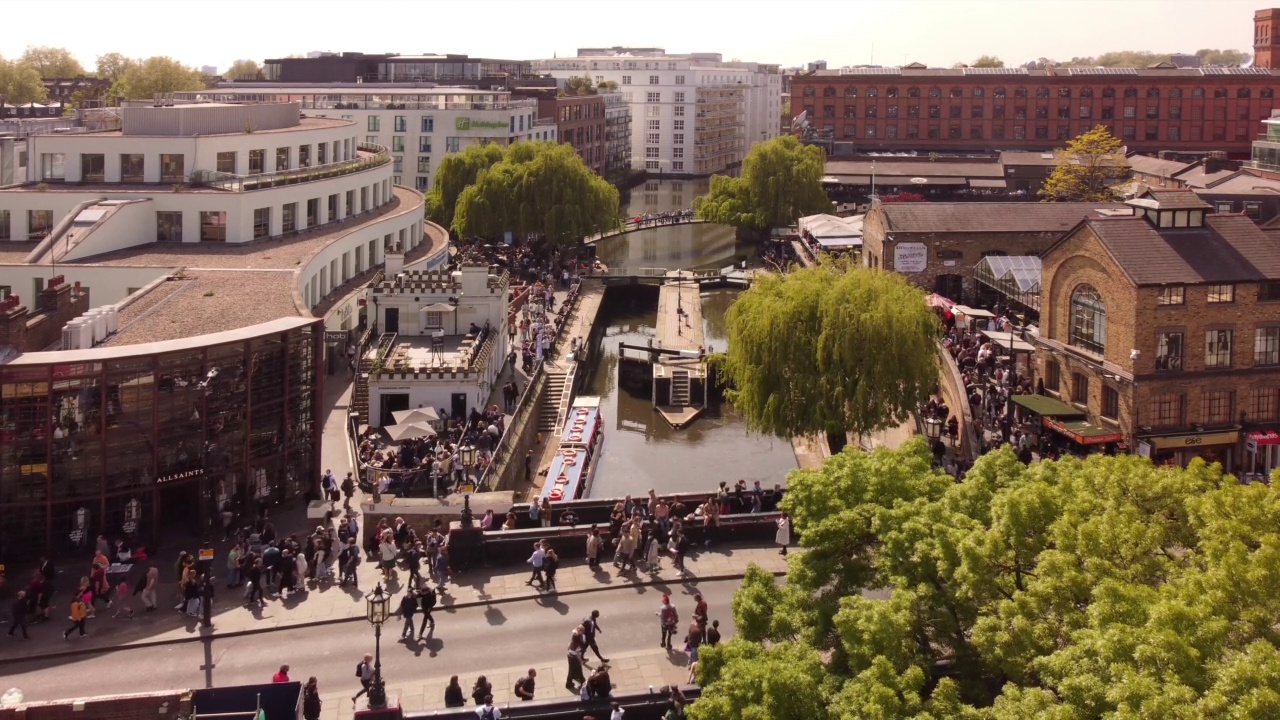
column 787, row 32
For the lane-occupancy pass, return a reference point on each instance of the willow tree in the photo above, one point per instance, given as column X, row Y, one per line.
column 456, row 172
column 537, row 189
column 829, row 349
column 781, row 180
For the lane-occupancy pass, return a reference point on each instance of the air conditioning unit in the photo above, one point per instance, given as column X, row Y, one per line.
column 113, row 318
column 75, row 335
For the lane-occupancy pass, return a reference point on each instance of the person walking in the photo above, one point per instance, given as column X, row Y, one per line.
column 311, row 702
column 487, row 711
column 348, row 491
column 700, row 610
column 526, row 685
column 591, row 628
column 18, row 615
column 713, row 633
column 79, row 614
column 150, row 587
column 783, row 537
column 440, row 566
column 255, row 579
column 679, row 546
column 594, row 544
column 426, row 603
column 349, row 559
column 408, row 607
column 536, row 560
column 550, row 564
column 668, row 619
column 364, row 671
column 574, row 654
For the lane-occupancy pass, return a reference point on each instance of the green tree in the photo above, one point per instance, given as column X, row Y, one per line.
column 781, row 181
column 540, row 189
column 1223, row 57
column 798, row 360
column 113, row 66
column 52, row 62
column 20, row 84
column 1088, row 170
column 143, row 79
column 988, row 61
column 458, row 171
column 244, row 70
column 579, row 86
column 1074, row 590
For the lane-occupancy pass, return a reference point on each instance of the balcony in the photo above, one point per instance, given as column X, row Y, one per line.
column 374, row 155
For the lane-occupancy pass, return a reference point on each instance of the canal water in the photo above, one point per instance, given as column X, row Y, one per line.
column 641, row 450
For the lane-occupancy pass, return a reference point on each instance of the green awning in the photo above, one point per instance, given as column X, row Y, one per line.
column 1084, row 429
column 1047, row 406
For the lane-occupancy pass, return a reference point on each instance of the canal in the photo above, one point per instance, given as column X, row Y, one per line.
column 641, row 451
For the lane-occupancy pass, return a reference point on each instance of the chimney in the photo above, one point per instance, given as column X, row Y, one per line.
column 394, row 261
column 1217, row 161
column 1165, row 155
column 56, row 296
column 13, row 323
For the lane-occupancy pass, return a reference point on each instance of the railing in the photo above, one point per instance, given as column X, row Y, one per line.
column 566, row 397
column 1256, row 165
column 376, row 155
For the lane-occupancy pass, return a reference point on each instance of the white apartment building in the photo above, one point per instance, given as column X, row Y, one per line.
column 418, row 125
column 693, row 113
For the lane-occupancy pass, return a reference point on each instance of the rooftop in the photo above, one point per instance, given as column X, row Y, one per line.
column 1063, row 73
column 1159, row 167
column 929, row 217
column 306, row 123
column 1242, row 183
column 1229, row 248
column 1158, row 199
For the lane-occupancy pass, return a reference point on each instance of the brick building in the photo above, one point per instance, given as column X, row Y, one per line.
column 1163, row 326
column 580, row 122
column 937, row 245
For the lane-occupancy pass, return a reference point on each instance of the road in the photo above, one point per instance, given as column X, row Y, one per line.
column 467, row 642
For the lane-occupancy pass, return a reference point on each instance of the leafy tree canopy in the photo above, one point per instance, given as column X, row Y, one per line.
column 579, row 86
column 112, row 66
column 1087, row 170
column 1104, row 588
column 781, row 180
column 800, row 357
column 244, row 70
column 988, row 61
column 538, row 189
column 143, row 79
column 20, row 84
column 1143, row 58
column 52, row 62
column 457, row 171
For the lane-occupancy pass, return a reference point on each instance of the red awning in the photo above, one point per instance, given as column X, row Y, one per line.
column 1265, row 437
column 1082, row 432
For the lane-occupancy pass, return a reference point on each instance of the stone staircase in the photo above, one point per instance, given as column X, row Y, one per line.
column 548, row 414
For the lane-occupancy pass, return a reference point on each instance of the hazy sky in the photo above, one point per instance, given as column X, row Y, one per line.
column 789, row 32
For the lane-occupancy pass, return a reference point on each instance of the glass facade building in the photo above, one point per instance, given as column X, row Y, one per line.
column 156, row 439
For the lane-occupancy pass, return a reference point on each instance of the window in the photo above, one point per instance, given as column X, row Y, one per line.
column 1080, row 388
column 891, row 92
column 52, row 166
column 677, row 152
column 169, row 227
column 1130, row 113
column 1217, row 348
column 288, row 217
column 850, row 130
column 999, row 93
column 851, row 91
column 1064, row 113
column 1085, row 112
column 261, row 222
column 172, row 168
column 1088, row 320
column 653, row 79
column 1266, row 346
column 677, row 166
column 1086, row 92
column 424, row 164
column 1042, row 92
column 651, row 152
column 976, row 112
column 1269, row 291
column 1265, row 404
column 892, row 111
column 1217, row 406
column 1052, row 375
column 975, row 132
column 871, row 131
column 1042, row 112
column 1175, row 93
column 1168, row 352
column 1153, row 112
column 1221, row 294
column 1042, row 132
column 397, row 163
column 651, row 165
column 428, row 124
column 1171, row 295
column 400, row 123
column 1166, row 410
column 955, row 111
column 677, row 96
column 1151, row 132
column 213, row 226
column 1110, row 402
column 626, row 80
column 1175, row 133
column 935, row 92
column 421, row 182
column 653, row 138
column 452, row 144
column 1175, row 113
column 653, row 97
column 935, row 111
column 1252, row 209
column 93, row 167
column 397, row 143
column 679, row 79
column 282, row 159
column 1220, row 93
column 678, row 111
column 132, row 168
column 872, row 92
column 871, row 111
column 375, row 124
column 1108, row 92
column 957, row 92
column 257, row 161
column 313, row 212
column 1020, row 92
column 678, row 138
column 304, row 156
column 977, row 92
column 1108, row 113
column 677, row 125
column 5, row 232
column 913, row 111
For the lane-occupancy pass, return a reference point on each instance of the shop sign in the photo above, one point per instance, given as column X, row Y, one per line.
column 179, row 476
column 335, row 336
column 464, row 123
column 910, row 257
column 1265, row 437
column 1195, row 441
column 1060, row 428
column 206, row 554
column 1144, row 449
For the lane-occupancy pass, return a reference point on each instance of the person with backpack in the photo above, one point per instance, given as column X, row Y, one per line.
column 79, row 614
column 349, row 560
column 487, row 711
column 426, row 603
column 311, row 700
column 348, row 491
column 364, row 671
column 525, row 685
column 408, row 606
column 668, row 618
column 329, row 485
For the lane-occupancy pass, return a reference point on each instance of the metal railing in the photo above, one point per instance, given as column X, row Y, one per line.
column 375, row 156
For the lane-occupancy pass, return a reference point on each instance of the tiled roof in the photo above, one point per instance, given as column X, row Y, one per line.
column 931, row 217
column 1244, row 184
column 1229, row 248
column 1196, row 177
column 1156, row 166
column 1175, row 199
column 913, row 167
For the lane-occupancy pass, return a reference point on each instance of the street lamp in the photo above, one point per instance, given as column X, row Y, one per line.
column 467, row 456
column 932, row 429
column 379, row 609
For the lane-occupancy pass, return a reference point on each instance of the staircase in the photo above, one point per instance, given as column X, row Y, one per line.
column 360, row 392
column 680, row 388
column 549, row 413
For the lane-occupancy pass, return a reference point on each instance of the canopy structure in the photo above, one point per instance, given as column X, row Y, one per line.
column 1045, row 406
column 1017, row 277
column 831, row 232
column 1010, row 343
column 1083, row 433
column 421, row 416
column 404, row 431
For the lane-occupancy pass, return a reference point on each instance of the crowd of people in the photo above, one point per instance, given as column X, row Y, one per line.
column 431, row 466
column 670, row 217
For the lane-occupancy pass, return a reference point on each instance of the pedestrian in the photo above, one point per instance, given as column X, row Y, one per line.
column 693, row 640
column 364, row 671
column 387, row 551
column 122, row 606
column 408, row 607
column 426, row 603
column 282, row 675
column 536, row 560
column 591, row 628
column 348, row 490
column 481, row 690
column 79, row 614
column 526, row 685
column 594, row 544
column 528, row 466
column 574, row 654
column 349, row 559
column 680, row 545
column 206, row 601
column 651, row 553
column 700, row 610
column 441, row 567
column 713, row 633
column 487, row 711
column 18, row 615
column 551, row 563
column 783, row 537
column 311, row 703
column 668, row 619
column 453, row 694
column 254, row 593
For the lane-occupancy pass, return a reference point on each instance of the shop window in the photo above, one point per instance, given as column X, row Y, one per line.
column 1169, row 352
column 1110, row 402
column 1088, row 320
column 1079, row 388
column 1217, row 348
column 1217, row 407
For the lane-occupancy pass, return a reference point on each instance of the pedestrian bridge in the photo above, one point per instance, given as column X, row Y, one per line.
column 631, row 226
column 731, row 275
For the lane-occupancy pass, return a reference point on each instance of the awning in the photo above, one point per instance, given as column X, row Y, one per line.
column 1082, row 432
column 438, row 307
column 1178, row 442
column 1265, row 437
column 1045, row 406
column 1004, row 341
column 899, row 180
column 972, row 312
column 847, row 180
column 987, row 183
column 836, row 243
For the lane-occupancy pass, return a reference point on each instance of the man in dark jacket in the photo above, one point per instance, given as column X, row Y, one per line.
column 408, row 608
column 18, row 613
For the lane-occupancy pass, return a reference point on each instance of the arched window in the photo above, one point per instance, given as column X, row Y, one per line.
column 1088, row 320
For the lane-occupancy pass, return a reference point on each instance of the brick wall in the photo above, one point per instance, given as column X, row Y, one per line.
column 125, row 707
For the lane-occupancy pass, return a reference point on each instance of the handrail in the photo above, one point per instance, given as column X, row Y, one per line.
column 377, row 155
column 566, row 397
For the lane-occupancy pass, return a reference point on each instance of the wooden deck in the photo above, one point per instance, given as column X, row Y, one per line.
column 678, row 417
column 680, row 313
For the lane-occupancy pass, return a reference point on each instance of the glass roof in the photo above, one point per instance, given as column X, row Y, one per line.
column 1016, row 276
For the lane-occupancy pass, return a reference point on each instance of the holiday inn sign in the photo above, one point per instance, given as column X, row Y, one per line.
column 463, row 123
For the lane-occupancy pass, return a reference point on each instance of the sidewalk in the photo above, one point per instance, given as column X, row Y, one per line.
column 328, row 603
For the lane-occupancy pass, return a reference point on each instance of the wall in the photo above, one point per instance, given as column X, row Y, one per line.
column 121, row 707
column 123, row 227
column 110, row 284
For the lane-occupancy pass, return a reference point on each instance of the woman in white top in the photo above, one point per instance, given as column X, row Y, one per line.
column 783, row 537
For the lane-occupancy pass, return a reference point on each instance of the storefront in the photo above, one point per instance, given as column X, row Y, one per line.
column 1262, row 448
column 1087, row 438
column 1219, row 447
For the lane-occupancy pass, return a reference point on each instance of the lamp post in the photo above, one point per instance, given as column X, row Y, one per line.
column 467, row 455
column 933, row 431
column 379, row 609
